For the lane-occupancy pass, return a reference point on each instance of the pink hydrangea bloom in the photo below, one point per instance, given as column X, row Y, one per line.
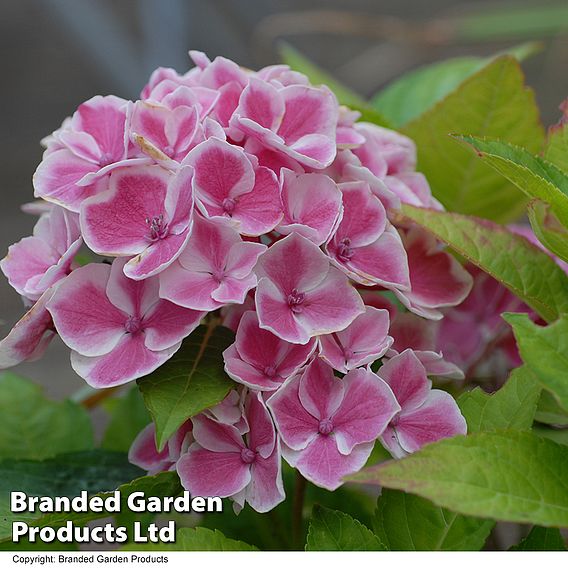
column 366, row 246
column 144, row 453
column 299, row 295
column 216, row 268
column 222, row 462
column 81, row 153
column 118, row 329
column 426, row 415
column 146, row 214
column 328, row 425
column 35, row 263
column 362, row 342
column 260, row 359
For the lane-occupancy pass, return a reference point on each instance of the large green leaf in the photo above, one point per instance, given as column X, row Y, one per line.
column 492, row 102
column 541, row 538
column 512, row 407
column 548, row 229
column 318, row 76
column 549, row 411
column 545, row 352
column 34, row 427
column 532, row 174
column 128, row 418
column 556, row 151
column 407, row 522
column 527, row 271
column 417, row 91
column 64, row 475
column 195, row 539
column 503, row 475
column 191, row 381
column 334, row 530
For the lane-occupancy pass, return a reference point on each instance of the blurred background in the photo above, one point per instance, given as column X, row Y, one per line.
column 57, row 53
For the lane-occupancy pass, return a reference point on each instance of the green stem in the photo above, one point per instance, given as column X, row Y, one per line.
column 298, row 511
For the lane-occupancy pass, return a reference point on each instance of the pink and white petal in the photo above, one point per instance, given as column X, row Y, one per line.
column 242, row 258
column 83, row 145
column 436, row 365
column 410, row 331
column 331, row 306
column 407, row 378
column 439, row 417
column 157, row 257
column 56, row 178
column 216, row 436
column 179, row 200
column 84, row 317
column 260, row 210
column 296, row 426
column 30, row 336
column 364, row 217
column 368, row 332
column 149, row 123
column 129, row 360
column 144, row 454
column 309, row 262
column 166, row 324
column 271, row 158
column 366, row 410
column 233, row 290
column 312, row 201
column 322, row 464
column 315, row 151
column 116, row 221
column 320, row 392
column 382, row 263
column 261, row 103
column 262, row 436
column 247, row 374
column 389, row 439
column 104, row 118
column 275, row 314
column 222, row 171
column 266, row 489
column 180, row 128
column 212, row 474
column 379, row 189
column 188, row 289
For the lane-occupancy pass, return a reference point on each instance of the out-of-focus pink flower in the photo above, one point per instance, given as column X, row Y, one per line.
column 223, row 463
column 299, row 295
column 36, row 263
column 328, row 424
column 145, row 214
column 215, row 268
column 426, row 415
column 362, row 342
column 118, row 329
column 260, row 359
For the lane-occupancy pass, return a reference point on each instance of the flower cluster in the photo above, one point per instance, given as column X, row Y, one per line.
column 257, row 195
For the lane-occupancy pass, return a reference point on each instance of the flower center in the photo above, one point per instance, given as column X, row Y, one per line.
column 133, row 325
column 325, row 427
column 344, row 251
column 228, row 205
column 295, row 301
column 157, row 228
column 248, row 456
column 270, row 371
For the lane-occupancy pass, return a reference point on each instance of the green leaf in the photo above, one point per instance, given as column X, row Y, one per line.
column 545, row 352
column 129, row 416
column 556, row 151
column 532, row 174
column 417, row 91
column 64, row 475
column 492, row 102
column 548, row 229
column 34, row 427
column 541, row 538
column 512, row 407
column 502, row 475
column 195, row 539
column 558, row 435
column 191, row 381
column 527, row 271
column 318, row 76
column 549, row 411
column 408, row 522
column 334, row 530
